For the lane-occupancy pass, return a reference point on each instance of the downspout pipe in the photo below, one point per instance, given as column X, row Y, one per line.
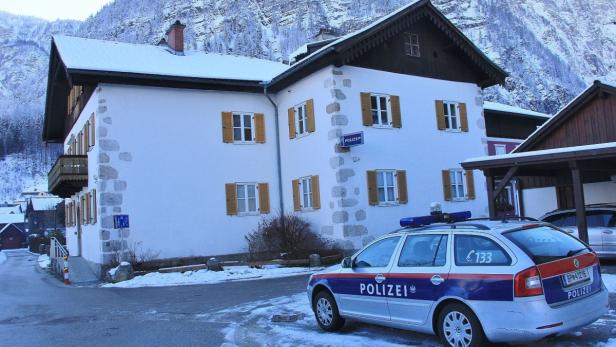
column 278, row 160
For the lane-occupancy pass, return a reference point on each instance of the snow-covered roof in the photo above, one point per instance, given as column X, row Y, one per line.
column 542, row 152
column 498, row 107
column 110, row 56
column 45, row 203
column 12, row 218
column 10, row 209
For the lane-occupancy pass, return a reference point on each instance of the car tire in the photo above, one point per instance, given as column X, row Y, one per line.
column 459, row 327
column 326, row 311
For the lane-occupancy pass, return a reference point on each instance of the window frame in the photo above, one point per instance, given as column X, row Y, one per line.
column 387, row 202
column 303, row 121
column 305, row 181
column 243, row 128
column 246, row 198
column 409, row 45
column 510, row 258
column 453, row 183
column 448, row 118
column 379, row 109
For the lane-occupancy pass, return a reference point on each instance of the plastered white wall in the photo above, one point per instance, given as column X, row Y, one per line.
column 538, row 201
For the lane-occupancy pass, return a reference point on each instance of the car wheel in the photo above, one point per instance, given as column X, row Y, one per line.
column 459, row 327
column 326, row 312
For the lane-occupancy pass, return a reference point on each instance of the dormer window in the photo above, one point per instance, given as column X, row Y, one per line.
column 411, row 45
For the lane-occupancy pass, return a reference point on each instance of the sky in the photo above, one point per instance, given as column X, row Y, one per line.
column 53, row 9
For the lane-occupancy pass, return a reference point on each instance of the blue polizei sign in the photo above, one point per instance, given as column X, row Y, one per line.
column 120, row 221
column 350, row 140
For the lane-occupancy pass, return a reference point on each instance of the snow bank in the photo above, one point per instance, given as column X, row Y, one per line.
column 2, row 257
column 610, row 282
column 231, row 273
column 44, row 261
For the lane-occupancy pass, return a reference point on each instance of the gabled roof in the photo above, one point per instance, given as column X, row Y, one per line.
column 346, row 48
column 12, row 218
column 45, row 203
column 595, row 89
column 9, row 226
column 505, row 109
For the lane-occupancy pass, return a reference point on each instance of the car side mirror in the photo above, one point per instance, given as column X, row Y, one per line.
column 347, row 263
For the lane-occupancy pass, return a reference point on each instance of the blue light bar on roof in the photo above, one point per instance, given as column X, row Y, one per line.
column 415, row 222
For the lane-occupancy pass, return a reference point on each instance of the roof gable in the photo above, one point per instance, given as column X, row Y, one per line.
column 588, row 119
column 350, row 47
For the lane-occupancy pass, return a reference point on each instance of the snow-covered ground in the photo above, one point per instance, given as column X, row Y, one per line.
column 230, row 273
column 44, row 261
column 2, row 257
column 251, row 325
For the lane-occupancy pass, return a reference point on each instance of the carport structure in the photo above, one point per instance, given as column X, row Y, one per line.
column 575, row 147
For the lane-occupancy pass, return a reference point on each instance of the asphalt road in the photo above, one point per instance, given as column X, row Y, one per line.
column 36, row 309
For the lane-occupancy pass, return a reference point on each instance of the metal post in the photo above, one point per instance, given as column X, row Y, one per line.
column 491, row 197
column 578, row 197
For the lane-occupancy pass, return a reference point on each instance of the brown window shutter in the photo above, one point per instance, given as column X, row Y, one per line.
column 88, row 207
column 310, row 114
column 470, row 185
column 231, row 196
column 227, row 127
column 66, row 207
column 291, row 122
column 366, row 109
column 264, row 203
column 463, row 117
column 86, row 134
column 403, row 196
column 396, row 117
column 93, row 125
column 94, row 207
column 373, row 196
column 296, row 203
column 259, row 128
column 446, row 185
column 74, row 214
column 83, row 210
column 316, row 193
column 440, row 115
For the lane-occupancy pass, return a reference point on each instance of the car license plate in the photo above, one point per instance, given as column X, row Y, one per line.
column 577, row 276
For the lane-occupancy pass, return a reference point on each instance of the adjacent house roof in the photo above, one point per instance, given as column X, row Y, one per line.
column 10, row 226
column 10, row 209
column 499, row 108
column 12, row 218
column 595, row 89
column 47, row 203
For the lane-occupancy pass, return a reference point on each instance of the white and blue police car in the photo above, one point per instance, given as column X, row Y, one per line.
column 467, row 281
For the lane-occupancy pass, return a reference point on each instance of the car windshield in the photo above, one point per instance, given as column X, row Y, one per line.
column 544, row 244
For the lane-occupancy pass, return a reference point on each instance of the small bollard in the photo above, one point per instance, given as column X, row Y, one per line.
column 314, row 260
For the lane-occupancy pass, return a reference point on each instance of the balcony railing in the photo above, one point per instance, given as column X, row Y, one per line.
column 68, row 175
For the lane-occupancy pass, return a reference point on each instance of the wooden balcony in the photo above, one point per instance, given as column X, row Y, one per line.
column 68, row 175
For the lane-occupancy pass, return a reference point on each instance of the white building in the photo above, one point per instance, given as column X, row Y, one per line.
column 197, row 147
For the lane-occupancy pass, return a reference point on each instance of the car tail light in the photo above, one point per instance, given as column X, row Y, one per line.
column 528, row 283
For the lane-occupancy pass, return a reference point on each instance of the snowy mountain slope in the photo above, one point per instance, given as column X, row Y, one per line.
column 551, row 48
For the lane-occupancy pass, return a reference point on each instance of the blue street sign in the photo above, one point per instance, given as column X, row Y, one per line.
column 120, row 221
column 350, row 140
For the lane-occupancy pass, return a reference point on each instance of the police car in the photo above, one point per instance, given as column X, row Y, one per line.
column 467, row 281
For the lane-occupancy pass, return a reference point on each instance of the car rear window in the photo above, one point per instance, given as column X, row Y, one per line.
column 544, row 244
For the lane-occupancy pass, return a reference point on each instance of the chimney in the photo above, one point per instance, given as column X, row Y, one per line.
column 175, row 37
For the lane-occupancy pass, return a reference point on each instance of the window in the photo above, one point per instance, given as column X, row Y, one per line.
column 243, row 125
column 301, row 120
column 411, row 45
column 567, row 219
column 386, row 186
column 247, row 202
column 500, row 149
column 545, row 244
column 381, row 113
column 452, row 117
column 305, row 184
column 471, row 250
column 378, row 254
column 458, row 186
column 92, row 132
column 424, row 250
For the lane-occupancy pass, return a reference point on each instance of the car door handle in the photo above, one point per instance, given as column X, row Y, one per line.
column 437, row 279
column 607, row 231
column 379, row 278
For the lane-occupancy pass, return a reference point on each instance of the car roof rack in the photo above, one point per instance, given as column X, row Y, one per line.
column 461, row 225
column 506, row 219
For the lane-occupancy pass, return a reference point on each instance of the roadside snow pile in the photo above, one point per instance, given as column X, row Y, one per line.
column 44, row 261
column 113, row 271
column 230, row 273
column 2, row 257
column 610, row 282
